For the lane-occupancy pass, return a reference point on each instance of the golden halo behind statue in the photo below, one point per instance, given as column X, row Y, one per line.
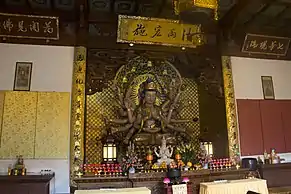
column 139, row 69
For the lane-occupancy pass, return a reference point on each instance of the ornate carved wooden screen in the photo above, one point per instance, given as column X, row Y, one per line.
column 101, row 70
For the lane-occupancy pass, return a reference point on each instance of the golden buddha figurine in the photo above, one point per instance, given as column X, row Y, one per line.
column 147, row 122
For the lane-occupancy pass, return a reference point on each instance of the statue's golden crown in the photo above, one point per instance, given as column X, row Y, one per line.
column 150, row 86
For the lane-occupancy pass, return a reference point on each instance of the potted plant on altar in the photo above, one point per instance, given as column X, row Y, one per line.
column 188, row 154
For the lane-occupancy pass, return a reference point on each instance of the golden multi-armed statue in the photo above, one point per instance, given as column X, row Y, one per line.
column 148, row 110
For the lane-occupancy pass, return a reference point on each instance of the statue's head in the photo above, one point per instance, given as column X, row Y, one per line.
column 164, row 141
column 149, row 92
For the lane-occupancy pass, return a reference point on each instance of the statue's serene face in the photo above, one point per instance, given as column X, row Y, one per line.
column 150, row 97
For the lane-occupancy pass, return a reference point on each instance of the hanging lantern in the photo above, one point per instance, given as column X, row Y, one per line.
column 109, row 150
column 196, row 11
column 210, row 4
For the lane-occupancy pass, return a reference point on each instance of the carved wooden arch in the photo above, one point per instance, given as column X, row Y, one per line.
column 78, row 112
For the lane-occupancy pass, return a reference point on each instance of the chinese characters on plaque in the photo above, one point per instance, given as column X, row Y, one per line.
column 269, row 45
column 158, row 31
column 27, row 26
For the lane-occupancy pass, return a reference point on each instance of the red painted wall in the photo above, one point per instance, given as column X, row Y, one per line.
column 264, row 124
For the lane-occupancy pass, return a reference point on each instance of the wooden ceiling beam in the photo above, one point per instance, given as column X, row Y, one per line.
column 63, row 15
column 233, row 20
column 2, row 4
column 82, row 29
column 229, row 18
column 277, row 17
column 253, row 17
column 28, row 5
column 53, row 6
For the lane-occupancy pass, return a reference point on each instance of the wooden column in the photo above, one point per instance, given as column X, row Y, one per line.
column 82, row 29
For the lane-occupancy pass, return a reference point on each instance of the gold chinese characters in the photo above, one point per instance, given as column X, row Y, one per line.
column 159, row 31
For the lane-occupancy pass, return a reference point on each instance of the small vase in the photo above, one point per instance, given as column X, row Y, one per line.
column 205, row 166
column 131, row 170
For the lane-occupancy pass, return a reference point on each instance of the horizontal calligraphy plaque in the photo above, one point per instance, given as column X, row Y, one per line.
column 29, row 26
column 269, row 45
column 156, row 31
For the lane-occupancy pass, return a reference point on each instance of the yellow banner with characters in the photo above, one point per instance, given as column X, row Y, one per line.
column 156, row 31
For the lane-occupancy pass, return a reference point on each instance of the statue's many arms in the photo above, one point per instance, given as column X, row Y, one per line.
column 147, row 123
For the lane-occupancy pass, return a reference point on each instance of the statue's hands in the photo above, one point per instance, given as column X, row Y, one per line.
column 114, row 86
column 155, row 150
column 172, row 107
column 171, row 151
column 105, row 119
column 127, row 103
column 114, row 130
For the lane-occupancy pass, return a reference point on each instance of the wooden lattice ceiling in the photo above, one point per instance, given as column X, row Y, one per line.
column 237, row 17
column 265, row 16
column 135, row 7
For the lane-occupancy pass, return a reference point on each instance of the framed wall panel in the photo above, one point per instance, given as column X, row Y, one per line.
column 250, row 128
column 272, row 125
column 52, row 125
column 18, row 125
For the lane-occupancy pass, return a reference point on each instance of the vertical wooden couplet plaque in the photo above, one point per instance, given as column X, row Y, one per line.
column 77, row 112
column 231, row 118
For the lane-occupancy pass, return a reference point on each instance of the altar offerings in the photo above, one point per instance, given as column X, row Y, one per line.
column 141, row 190
column 235, row 187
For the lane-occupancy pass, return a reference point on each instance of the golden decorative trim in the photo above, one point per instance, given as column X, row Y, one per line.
column 77, row 112
column 231, row 118
column 211, row 4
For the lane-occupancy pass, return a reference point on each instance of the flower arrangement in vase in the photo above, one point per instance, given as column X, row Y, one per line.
column 188, row 153
column 130, row 161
